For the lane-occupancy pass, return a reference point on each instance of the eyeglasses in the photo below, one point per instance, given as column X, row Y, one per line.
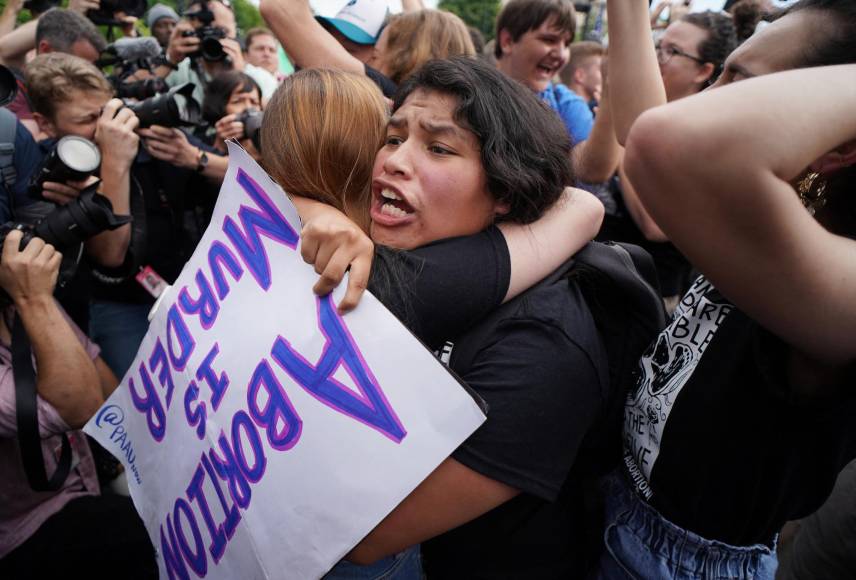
column 665, row 54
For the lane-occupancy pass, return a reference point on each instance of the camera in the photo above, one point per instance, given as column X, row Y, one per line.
column 72, row 159
column 141, row 90
column 67, row 226
column 210, row 48
column 106, row 12
column 252, row 121
column 175, row 108
column 40, row 6
column 8, row 86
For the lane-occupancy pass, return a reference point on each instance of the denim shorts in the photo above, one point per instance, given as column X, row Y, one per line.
column 406, row 565
column 641, row 544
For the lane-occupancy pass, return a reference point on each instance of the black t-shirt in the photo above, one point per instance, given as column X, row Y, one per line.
column 673, row 269
column 385, row 84
column 541, row 368
column 716, row 442
column 443, row 288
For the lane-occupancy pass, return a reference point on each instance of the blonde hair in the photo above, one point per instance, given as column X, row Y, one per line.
column 321, row 132
column 54, row 77
column 414, row 38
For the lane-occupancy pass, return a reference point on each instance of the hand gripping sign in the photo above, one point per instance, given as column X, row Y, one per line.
column 263, row 434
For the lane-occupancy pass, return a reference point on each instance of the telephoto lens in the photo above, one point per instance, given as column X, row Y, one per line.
column 73, row 158
column 175, row 108
column 8, row 86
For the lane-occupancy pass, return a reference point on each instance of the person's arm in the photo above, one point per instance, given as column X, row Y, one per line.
column 637, row 211
column 303, row 38
column 539, row 248
column 9, row 16
column 452, row 495
column 172, row 145
column 412, row 5
column 15, row 45
column 596, row 159
column 732, row 211
column 118, row 143
column 67, row 378
column 634, row 75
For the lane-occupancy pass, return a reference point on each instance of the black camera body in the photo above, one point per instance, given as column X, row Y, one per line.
column 142, row 89
column 210, row 48
column 175, row 108
column 40, row 6
column 106, row 13
column 252, row 120
column 66, row 227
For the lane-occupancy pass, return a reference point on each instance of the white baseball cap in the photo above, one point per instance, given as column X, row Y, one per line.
column 361, row 21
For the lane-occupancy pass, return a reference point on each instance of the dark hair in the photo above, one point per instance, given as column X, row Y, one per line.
column 520, row 16
column 836, row 43
column 721, row 38
column 478, row 39
column 62, row 28
column 747, row 14
column 220, row 89
column 524, row 144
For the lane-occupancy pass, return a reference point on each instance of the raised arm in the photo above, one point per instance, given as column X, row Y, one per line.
column 539, row 248
column 303, row 38
column 634, row 75
column 596, row 159
column 731, row 208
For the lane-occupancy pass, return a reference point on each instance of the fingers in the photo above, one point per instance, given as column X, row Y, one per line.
column 11, row 245
column 332, row 274
column 59, row 192
column 110, row 109
column 309, row 245
column 358, row 281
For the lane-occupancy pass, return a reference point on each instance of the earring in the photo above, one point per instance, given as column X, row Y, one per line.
column 812, row 191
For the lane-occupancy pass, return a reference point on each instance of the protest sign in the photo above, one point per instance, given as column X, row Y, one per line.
column 263, row 434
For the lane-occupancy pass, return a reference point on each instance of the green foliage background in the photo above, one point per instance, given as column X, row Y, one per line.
column 480, row 14
column 246, row 14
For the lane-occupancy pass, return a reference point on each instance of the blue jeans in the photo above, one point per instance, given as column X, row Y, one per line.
column 642, row 544
column 118, row 328
column 406, row 565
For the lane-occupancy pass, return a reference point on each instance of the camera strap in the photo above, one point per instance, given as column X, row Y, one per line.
column 26, row 409
column 8, row 127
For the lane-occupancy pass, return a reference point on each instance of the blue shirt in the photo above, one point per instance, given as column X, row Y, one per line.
column 26, row 159
column 572, row 108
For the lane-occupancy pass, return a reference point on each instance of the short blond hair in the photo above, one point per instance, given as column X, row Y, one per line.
column 52, row 78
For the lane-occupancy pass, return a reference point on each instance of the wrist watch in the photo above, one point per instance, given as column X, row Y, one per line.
column 201, row 161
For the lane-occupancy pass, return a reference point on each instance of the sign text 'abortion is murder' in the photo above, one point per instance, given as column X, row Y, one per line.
column 262, row 433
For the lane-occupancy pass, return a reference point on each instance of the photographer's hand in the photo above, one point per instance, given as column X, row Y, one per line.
column 62, row 193
column 67, row 377
column 30, row 274
column 172, row 146
column 118, row 143
column 181, row 46
column 229, row 128
column 233, row 49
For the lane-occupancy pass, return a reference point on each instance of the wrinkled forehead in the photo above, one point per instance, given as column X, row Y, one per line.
column 780, row 45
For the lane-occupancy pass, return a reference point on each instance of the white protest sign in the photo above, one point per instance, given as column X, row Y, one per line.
column 705, row 5
column 263, row 434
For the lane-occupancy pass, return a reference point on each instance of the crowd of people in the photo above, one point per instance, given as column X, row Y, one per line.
column 636, row 250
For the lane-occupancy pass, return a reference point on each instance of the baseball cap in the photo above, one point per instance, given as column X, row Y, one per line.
column 360, row 20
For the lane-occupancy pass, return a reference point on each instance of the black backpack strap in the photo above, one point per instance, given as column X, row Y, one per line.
column 26, row 409
column 8, row 127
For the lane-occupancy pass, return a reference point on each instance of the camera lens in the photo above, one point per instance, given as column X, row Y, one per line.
column 8, row 86
column 211, row 49
column 79, row 155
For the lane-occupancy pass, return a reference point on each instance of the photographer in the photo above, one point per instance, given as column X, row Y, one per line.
column 230, row 100
column 161, row 20
column 72, row 97
column 74, row 528
column 57, row 30
column 193, row 55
